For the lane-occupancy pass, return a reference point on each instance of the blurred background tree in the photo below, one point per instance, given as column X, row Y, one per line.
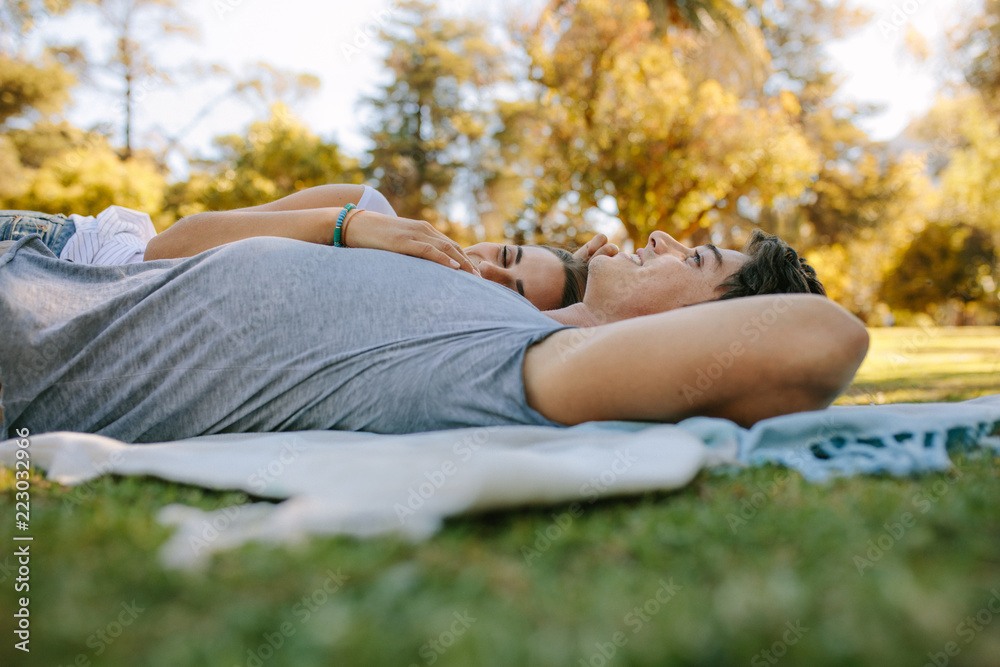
column 429, row 121
column 946, row 271
column 274, row 158
column 702, row 118
column 624, row 120
column 136, row 28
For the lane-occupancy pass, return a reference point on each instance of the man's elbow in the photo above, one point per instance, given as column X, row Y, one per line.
column 839, row 354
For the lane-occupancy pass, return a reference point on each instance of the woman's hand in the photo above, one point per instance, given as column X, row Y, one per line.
column 596, row 246
column 368, row 229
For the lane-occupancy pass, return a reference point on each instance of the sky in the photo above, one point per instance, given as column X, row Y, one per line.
column 333, row 41
column 877, row 69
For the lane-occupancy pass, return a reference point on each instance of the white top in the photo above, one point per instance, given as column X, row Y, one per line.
column 119, row 235
column 116, row 236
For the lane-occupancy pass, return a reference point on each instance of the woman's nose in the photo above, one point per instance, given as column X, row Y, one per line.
column 491, row 271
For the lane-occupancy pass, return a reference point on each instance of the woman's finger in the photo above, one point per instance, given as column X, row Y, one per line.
column 609, row 249
column 447, row 246
column 591, row 247
column 456, row 253
column 596, row 243
column 428, row 251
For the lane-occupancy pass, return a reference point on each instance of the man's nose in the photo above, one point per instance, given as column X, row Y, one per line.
column 663, row 244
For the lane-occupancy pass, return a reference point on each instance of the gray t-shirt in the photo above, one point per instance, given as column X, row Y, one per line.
column 265, row 334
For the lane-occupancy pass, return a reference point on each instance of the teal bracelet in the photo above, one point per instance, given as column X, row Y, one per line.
column 340, row 224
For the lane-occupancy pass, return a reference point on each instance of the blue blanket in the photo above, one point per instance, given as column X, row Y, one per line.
column 897, row 439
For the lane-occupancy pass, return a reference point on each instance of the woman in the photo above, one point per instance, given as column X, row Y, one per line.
column 548, row 277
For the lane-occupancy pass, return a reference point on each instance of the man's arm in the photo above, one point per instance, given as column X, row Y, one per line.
column 743, row 359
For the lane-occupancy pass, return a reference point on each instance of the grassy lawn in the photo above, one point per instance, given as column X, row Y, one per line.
column 757, row 569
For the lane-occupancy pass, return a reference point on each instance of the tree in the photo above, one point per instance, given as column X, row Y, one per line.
column 53, row 166
column 858, row 185
column 123, row 61
column 796, row 33
column 977, row 47
column 135, row 26
column 80, row 172
column 31, row 86
column 429, row 122
column 259, row 84
column 618, row 125
column 969, row 174
column 945, row 263
column 272, row 159
column 32, row 91
column 724, row 40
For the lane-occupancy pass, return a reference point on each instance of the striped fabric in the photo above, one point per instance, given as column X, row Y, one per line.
column 116, row 236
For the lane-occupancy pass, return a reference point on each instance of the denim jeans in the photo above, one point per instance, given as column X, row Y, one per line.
column 55, row 230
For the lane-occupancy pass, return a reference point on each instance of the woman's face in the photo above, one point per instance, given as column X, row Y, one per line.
column 533, row 272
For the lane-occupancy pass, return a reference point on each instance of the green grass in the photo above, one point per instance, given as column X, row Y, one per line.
column 872, row 571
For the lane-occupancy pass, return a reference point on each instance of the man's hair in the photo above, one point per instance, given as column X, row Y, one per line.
column 576, row 276
column 773, row 268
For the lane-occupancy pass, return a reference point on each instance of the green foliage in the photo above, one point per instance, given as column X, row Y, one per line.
column 30, row 89
column 274, row 158
column 702, row 118
column 84, row 176
column 970, row 183
column 11, row 173
column 730, row 44
column 430, row 121
column 616, row 117
column 849, row 197
column 858, row 186
column 945, row 262
column 963, row 135
column 978, row 51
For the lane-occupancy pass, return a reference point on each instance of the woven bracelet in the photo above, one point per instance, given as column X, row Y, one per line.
column 340, row 223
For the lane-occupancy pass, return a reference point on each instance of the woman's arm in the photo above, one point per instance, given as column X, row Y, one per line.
column 201, row 231
column 309, row 215
column 320, row 196
column 744, row 359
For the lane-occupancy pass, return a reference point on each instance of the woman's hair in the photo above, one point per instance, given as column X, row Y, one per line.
column 773, row 268
column 576, row 276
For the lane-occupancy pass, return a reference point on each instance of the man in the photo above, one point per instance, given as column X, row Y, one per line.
column 270, row 334
column 652, row 359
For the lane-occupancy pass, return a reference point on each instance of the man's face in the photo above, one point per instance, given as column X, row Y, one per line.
column 662, row 276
